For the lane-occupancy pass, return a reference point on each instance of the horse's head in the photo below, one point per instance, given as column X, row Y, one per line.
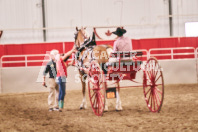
column 80, row 36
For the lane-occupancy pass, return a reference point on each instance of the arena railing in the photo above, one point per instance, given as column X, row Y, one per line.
column 146, row 54
column 23, row 59
column 173, row 52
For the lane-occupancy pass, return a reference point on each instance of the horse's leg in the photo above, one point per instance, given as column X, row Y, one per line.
column 106, row 105
column 105, row 70
column 84, row 102
column 118, row 100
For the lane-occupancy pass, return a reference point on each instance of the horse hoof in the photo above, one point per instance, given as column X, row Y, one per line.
column 105, row 110
column 120, row 109
column 82, row 108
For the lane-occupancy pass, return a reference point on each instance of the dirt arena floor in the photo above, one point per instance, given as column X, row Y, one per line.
column 29, row 113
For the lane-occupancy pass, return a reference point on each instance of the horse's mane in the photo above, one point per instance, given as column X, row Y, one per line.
column 88, row 43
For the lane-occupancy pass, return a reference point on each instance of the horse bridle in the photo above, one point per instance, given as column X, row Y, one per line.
column 76, row 36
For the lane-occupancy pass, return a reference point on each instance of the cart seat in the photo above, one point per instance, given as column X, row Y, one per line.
column 123, row 54
column 123, row 62
column 124, row 66
column 125, row 59
column 123, row 70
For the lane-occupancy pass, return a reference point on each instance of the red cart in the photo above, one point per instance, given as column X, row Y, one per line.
column 125, row 68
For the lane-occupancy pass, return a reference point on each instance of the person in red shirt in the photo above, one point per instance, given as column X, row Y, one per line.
column 61, row 76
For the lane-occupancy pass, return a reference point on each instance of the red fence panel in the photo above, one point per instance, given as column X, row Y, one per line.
column 36, row 48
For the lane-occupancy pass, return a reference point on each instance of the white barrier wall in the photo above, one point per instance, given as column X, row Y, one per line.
column 20, row 80
column 179, row 71
column 174, row 72
column 29, row 79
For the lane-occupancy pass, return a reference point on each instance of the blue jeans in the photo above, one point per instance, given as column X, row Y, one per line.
column 61, row 83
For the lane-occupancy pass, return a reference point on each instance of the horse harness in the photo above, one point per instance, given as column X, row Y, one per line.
column 87, row 47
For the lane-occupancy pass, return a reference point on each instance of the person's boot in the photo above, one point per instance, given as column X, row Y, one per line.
column 61, row 104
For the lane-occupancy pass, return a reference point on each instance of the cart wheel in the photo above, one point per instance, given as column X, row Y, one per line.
column 96, row 87
column 153, row 85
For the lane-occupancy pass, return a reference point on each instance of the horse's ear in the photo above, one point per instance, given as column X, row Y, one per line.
column 1, row 32
column 76, row 28
column 93, row 37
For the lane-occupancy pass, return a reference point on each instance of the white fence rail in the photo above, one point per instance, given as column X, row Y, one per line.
column 25, row 60
column 173, row 52
column 144, row 51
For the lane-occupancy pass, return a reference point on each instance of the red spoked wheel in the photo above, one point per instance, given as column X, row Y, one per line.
column 96, row 87
column 153, row 85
